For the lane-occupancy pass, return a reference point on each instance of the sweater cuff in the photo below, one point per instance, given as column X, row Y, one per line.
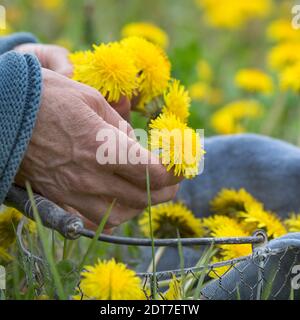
column 20, row 94
column 8, row 43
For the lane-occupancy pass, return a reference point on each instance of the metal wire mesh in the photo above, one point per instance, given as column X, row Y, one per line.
column 265, row 274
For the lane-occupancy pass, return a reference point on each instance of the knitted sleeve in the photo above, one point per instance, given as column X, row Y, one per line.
column 20, row 91
column 9, row 42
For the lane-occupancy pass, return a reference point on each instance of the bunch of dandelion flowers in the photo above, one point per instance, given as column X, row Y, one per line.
column 178, row 145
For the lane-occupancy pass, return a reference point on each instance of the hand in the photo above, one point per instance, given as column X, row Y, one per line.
column 61, row 165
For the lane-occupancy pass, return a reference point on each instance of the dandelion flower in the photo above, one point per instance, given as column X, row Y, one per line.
column 109, row 280
column 204, row 71
column 254, row 80
column 199, row 91
column 148, row 31
column 179, row 146
column 49, row 5
column 282, row 30
column 230, row 201
column 175, row 290
column 255, row 214
column 227, row 119
column 293, row 223
column 169, row 217
column 223, row 226
column 202, row 92
column 4, row 255
column 232, row 14
column 109, row 69
column 284, row 54
column 9, row 220
column 290, row 78
column 177, row 101
column 153, row 66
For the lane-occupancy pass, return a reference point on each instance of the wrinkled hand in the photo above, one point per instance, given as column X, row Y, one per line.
column 61, row 165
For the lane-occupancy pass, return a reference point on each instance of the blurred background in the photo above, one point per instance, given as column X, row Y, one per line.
column 238, row 59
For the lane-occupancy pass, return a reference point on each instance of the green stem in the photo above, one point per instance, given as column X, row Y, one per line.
column 154, row 289
column 45, row 245
column 65, row 251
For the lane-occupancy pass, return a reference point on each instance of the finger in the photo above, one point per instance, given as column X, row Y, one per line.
column 94, row 208
column 128, row 194
column 139, row 159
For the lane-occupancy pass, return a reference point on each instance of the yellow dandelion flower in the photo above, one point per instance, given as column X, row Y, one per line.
column 177, row 101
column 49, row 5
column 178, row 145
column 175, row 290
column 169, row 217
column 4, row 255
column 230, row 201
column 231, row 14
column 255, row 214
column 223, row 226
column 202, row 92
column 9, row 220
column 109, row 69
column 284, row 55
column 227, row 119
column 148, row 31
column 204, row 71
column 290, row 78
column 6, row 30
column 199, row 91
column 293, row 223
column 282, row 30
column 153, row 66
column 254, row 80
column 109, row 280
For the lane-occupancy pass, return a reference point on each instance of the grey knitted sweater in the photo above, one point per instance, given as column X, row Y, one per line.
column 20, row 91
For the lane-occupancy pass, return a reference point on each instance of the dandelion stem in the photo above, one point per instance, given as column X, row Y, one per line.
column 154, row 290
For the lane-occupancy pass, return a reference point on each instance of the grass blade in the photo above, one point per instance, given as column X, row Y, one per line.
column 153, row 287
column 46, row 246
column 97, row 234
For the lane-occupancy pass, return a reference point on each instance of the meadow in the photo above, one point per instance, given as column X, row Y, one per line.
column 239, row 63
